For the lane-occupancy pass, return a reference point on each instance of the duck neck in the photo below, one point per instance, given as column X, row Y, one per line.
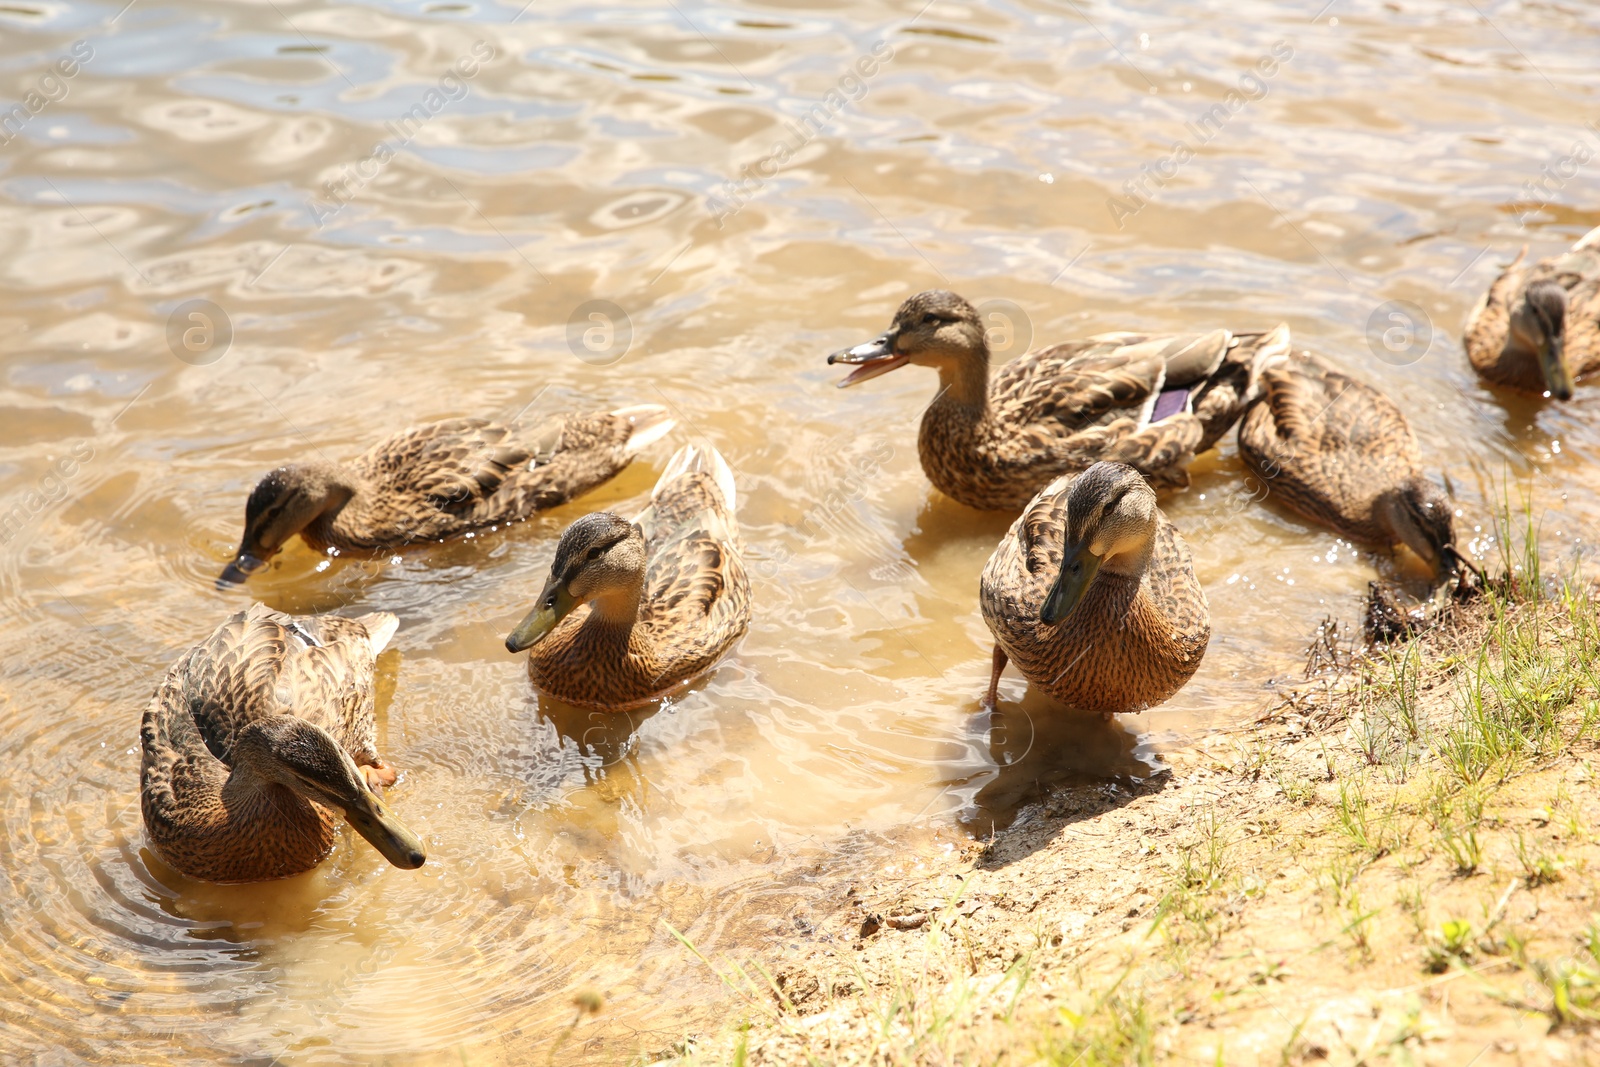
column 348, row 511
column 1130, row 564
column 246, row 792
column 613, row 615
column 964, row 383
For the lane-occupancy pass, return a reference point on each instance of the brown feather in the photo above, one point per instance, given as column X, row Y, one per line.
column 1060, row 409
column 1130, row 643
column 1340, row 453
column 256, row 664
column 1500, row 356
column 695, row 604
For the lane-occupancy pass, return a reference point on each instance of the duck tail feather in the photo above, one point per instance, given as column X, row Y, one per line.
column 380, row 626
column 699, row 458
column 649, row 422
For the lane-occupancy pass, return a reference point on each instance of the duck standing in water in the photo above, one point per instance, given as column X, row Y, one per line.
column 439, row 480
column 1092, row 593
column 1537, row 329
column 1152, row 401
column 257, row 736
column 634, row 609
column 1342, row 454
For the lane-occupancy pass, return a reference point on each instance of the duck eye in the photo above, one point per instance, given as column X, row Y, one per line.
column 930, row 320
column 596, row 552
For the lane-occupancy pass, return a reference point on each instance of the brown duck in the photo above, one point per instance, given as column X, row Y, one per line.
column 438, row 480
column 1537, row 329
column 1342, row 454
column 1152, row 401
column 1093, row 595
column 634, row 609
column 257, row 736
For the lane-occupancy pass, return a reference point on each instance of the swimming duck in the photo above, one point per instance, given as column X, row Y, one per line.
column 1092, row 593
column 257, row 736
column 1538, row 328
column 1152, row 401
column 635, row 609
column 1342, row 454
column 438, row 480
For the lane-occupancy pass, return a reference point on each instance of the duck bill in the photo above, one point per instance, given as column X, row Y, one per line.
column 555, row 604
column 239, row 571
column 870, row 359
column 372, row 819
column 1078, row 568
column 1553, row 365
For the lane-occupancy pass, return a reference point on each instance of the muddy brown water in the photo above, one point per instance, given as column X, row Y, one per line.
column 401, row 211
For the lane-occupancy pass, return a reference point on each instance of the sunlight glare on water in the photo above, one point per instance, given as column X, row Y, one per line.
column 402, row 212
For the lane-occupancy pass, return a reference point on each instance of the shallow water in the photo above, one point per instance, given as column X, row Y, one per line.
column 188, row 157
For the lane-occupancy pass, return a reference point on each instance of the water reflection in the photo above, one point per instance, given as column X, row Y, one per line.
column 1037, row 747
column 1386, row 161
column 602, row 739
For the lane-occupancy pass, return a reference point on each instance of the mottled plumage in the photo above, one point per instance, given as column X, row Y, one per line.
column 1152, row 401
column 256, row 737
column 1509, row 334
column 633, row 610
column 439, row 480
column 1342, row 454
column 1140, row 627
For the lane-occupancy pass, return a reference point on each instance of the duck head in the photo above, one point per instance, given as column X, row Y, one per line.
column 282, row 504
column 1111, row 527
column 936, row 329
column 600, row 560
column 1541, row 323
column 289, row 751
column 1423, row 519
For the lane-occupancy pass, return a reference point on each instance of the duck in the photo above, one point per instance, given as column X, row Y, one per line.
column 1537, row 329
column 438, row 480
column 633, row 610
column 1092, row 594
column 1151, row 401
column 1340, row 453
column 256, row 738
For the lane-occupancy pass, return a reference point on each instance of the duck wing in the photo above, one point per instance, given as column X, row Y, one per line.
column 1120, row 396
column 452, row 466
column 1096, row 381
column 1319, row 410
column 262, row 662
column 1025, row 563
column 1329, row 446
column 1175, row 591
column 573, row 454
column 695, row 584
column 1221, row 398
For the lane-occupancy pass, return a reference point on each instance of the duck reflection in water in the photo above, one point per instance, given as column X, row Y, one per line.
column 603, row 740
column 1039, row 747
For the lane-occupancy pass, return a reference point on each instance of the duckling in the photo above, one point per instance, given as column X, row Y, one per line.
column 1342, row 454
column 439, row 480
column 1152, row 401
column 1537, row 329
column 635, row 609
column 1092, row 592
column 254, row 739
